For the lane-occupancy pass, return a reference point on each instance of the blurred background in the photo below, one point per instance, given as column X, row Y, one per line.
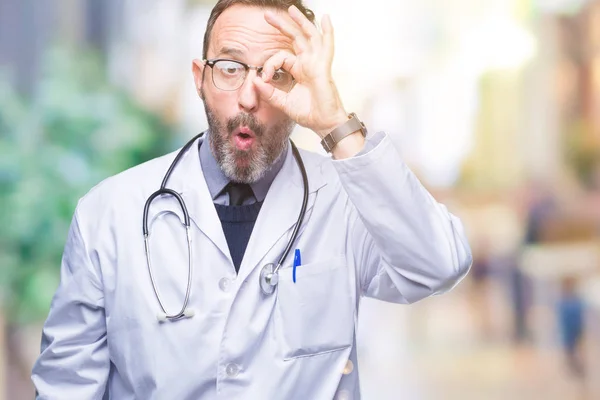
column 494, row 104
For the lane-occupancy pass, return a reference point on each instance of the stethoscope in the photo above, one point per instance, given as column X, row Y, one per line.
column 269, row 276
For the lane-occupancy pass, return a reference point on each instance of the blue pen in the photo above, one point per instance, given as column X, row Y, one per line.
column 297, row 262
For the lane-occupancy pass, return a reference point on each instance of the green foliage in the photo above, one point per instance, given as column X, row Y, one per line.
column 75, row 131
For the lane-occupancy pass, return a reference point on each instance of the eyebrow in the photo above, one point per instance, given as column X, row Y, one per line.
column 231, row 51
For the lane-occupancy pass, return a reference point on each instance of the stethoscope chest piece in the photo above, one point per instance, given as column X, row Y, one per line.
column 268, row 279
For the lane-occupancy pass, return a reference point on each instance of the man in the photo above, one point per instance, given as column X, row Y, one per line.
column 370, row 229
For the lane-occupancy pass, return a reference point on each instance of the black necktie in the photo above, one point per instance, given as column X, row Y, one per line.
column 238, row 192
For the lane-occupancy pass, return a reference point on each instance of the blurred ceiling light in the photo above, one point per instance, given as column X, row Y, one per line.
column 499, row 43
column 394, row 44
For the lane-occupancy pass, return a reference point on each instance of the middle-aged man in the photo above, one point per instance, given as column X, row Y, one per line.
column 129, row 320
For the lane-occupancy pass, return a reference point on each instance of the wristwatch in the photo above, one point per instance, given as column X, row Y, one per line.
column 352, row 125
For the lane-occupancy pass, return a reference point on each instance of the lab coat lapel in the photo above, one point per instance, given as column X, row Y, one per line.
column 279, row 214
column 188, row 176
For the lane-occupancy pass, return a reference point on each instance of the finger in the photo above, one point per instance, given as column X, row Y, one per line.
column 282, row 59
column 288, row 29
column 308, row 28
column 328, row 39
column 270, row 94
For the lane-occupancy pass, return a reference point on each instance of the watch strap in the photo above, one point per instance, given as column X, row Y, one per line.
column 352, row 125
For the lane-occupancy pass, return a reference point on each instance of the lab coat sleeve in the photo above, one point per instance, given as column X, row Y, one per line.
column 406, row 245
column 74, row 361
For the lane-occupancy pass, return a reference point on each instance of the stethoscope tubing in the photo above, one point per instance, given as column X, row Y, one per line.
column 184, row 311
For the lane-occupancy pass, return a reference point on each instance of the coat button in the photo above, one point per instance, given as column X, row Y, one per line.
column 225, row 284
column 232, row 370
column 348, row 368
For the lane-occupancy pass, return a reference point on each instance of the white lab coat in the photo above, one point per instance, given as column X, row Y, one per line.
column 371, row 229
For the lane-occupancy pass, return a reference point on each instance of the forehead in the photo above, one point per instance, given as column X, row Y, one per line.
column 241, row 32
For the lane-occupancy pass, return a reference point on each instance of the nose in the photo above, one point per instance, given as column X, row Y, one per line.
column 248, row 95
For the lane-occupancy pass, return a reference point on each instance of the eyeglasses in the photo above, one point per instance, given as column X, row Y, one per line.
column 231, row 74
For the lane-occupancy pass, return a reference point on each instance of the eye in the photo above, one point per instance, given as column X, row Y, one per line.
column 281, row 77
column 229, row 68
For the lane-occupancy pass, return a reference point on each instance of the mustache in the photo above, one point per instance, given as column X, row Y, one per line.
column 248, row 120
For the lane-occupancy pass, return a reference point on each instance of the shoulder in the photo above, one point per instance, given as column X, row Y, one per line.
column 125, row 187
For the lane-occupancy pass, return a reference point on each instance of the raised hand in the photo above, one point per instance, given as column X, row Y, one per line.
column 313, row 101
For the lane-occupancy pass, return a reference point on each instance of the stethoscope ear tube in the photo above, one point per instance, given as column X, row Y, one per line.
column 163, row 188
column 164, row 191
column 185, row 312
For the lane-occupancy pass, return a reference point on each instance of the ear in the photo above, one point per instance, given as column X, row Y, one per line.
column 198, row 71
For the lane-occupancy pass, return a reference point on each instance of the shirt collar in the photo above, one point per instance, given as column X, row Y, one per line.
column 216, row 179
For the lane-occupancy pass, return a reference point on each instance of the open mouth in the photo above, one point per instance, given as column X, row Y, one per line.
column 243, row 138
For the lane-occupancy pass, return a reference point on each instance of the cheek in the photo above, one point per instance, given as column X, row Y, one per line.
column 222, row 104
column 272, row 116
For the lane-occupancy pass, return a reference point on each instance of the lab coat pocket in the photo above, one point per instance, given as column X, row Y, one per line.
column 316, row 313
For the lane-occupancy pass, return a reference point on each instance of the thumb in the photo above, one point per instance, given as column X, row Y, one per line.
column 270, row 94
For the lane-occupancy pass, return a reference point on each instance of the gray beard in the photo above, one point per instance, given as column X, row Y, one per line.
column 226, row 156
column 271, row 144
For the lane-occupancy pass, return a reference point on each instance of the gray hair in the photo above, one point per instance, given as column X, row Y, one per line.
column 222, row 5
